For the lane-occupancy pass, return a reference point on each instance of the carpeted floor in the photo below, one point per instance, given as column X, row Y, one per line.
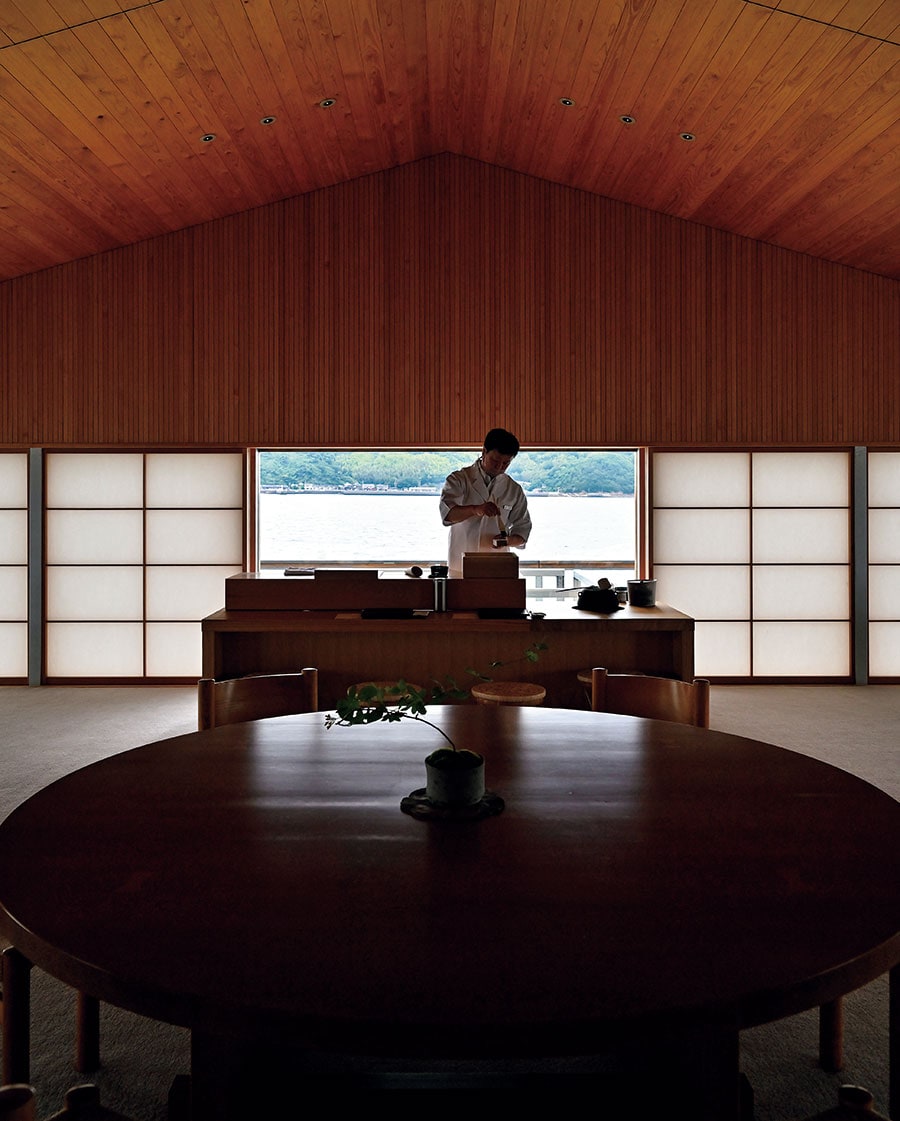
column 47, row 732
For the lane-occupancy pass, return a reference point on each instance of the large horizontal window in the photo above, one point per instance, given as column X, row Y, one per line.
column 380, row 508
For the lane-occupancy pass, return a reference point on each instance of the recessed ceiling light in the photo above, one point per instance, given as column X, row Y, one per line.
column 567, row 101
column 626, row 120
column 687, row 136
column 208, row 137
column 267, row 121
column 327, row 102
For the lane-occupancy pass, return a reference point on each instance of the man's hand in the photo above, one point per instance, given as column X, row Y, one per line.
column 462, row 513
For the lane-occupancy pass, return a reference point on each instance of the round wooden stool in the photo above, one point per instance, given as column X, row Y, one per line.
column 508, row 693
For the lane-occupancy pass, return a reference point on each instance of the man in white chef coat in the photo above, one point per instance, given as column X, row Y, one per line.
column 479, row 502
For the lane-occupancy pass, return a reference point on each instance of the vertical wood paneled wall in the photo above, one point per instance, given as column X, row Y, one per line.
column 422, row 305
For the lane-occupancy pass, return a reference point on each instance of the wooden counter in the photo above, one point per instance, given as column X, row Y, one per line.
column 347, row 648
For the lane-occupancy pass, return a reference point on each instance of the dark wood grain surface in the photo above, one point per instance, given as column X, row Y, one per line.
column 643, row 873
column 104, row 112
column 346, row 648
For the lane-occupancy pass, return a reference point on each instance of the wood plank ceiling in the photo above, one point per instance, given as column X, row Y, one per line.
column 792, row 108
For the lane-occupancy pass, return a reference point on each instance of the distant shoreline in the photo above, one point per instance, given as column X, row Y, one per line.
column 428, row 493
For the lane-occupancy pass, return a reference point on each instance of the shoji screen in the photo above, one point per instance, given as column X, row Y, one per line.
column 884, row 564
column 137, row 550
column 701, row 552
column 756, row 546
column 801, row 564
column 13, row 565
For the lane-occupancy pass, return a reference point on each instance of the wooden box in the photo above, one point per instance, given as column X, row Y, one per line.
column 490, row 566
column 352, row 591
column 272, row 591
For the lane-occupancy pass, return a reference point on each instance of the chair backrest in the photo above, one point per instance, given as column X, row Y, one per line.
column 257, row 697
column 83, row 1104
column 17, row 1102
column 656, row 698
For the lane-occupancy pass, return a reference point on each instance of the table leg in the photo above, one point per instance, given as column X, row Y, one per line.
column 212, row 1063
column 16, row 1009
column 708, row 1074
column 87, row 1033
column 894, row 1043
column 235, row 1079
column 831, row 1035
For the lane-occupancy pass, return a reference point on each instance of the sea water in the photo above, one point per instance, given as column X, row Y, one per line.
column 406, row 529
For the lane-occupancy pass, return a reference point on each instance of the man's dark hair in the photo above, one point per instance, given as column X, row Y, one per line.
column 498, row 439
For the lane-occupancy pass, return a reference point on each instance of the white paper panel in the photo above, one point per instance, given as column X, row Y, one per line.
column 91, row 592
column 801, row 592
column 884, row 592
column 801, row 537
column 81, row 481
column 174, row 650
column 884, row 536
column 701, row 479
column 884, row 649
column 701, row 536
column 14, row 594
column 194, row 479
column 13, row 480
column 13, row 536
column 186, row 592
column 884, row 478
column 95, row 536
column 705, row 591
column 13, row 649
column 801, row 479
column 722, row 650
column 194, row 537
column 95, row 649
column 812, row 649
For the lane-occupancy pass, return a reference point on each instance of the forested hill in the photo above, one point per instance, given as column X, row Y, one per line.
column 568, row 472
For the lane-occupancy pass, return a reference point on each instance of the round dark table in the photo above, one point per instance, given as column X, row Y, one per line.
column 645, row 880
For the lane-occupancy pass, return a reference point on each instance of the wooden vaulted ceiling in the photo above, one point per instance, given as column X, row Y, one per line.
column 793, row 106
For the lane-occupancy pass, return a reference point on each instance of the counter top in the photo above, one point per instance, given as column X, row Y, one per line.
column 347, row 648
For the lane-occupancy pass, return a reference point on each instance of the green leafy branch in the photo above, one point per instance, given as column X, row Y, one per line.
column 531, row 654
column 371, row 704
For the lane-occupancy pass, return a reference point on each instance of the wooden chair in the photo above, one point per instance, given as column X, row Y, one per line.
column 17, row 1103
column 83, row 1104
column 655, row 698
column 663, row 698
column 508, row 693
column 853, row 1101
column 256, row 698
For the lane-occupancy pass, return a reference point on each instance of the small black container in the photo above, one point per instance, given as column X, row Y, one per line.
column 603, row 600
column 642, row 593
